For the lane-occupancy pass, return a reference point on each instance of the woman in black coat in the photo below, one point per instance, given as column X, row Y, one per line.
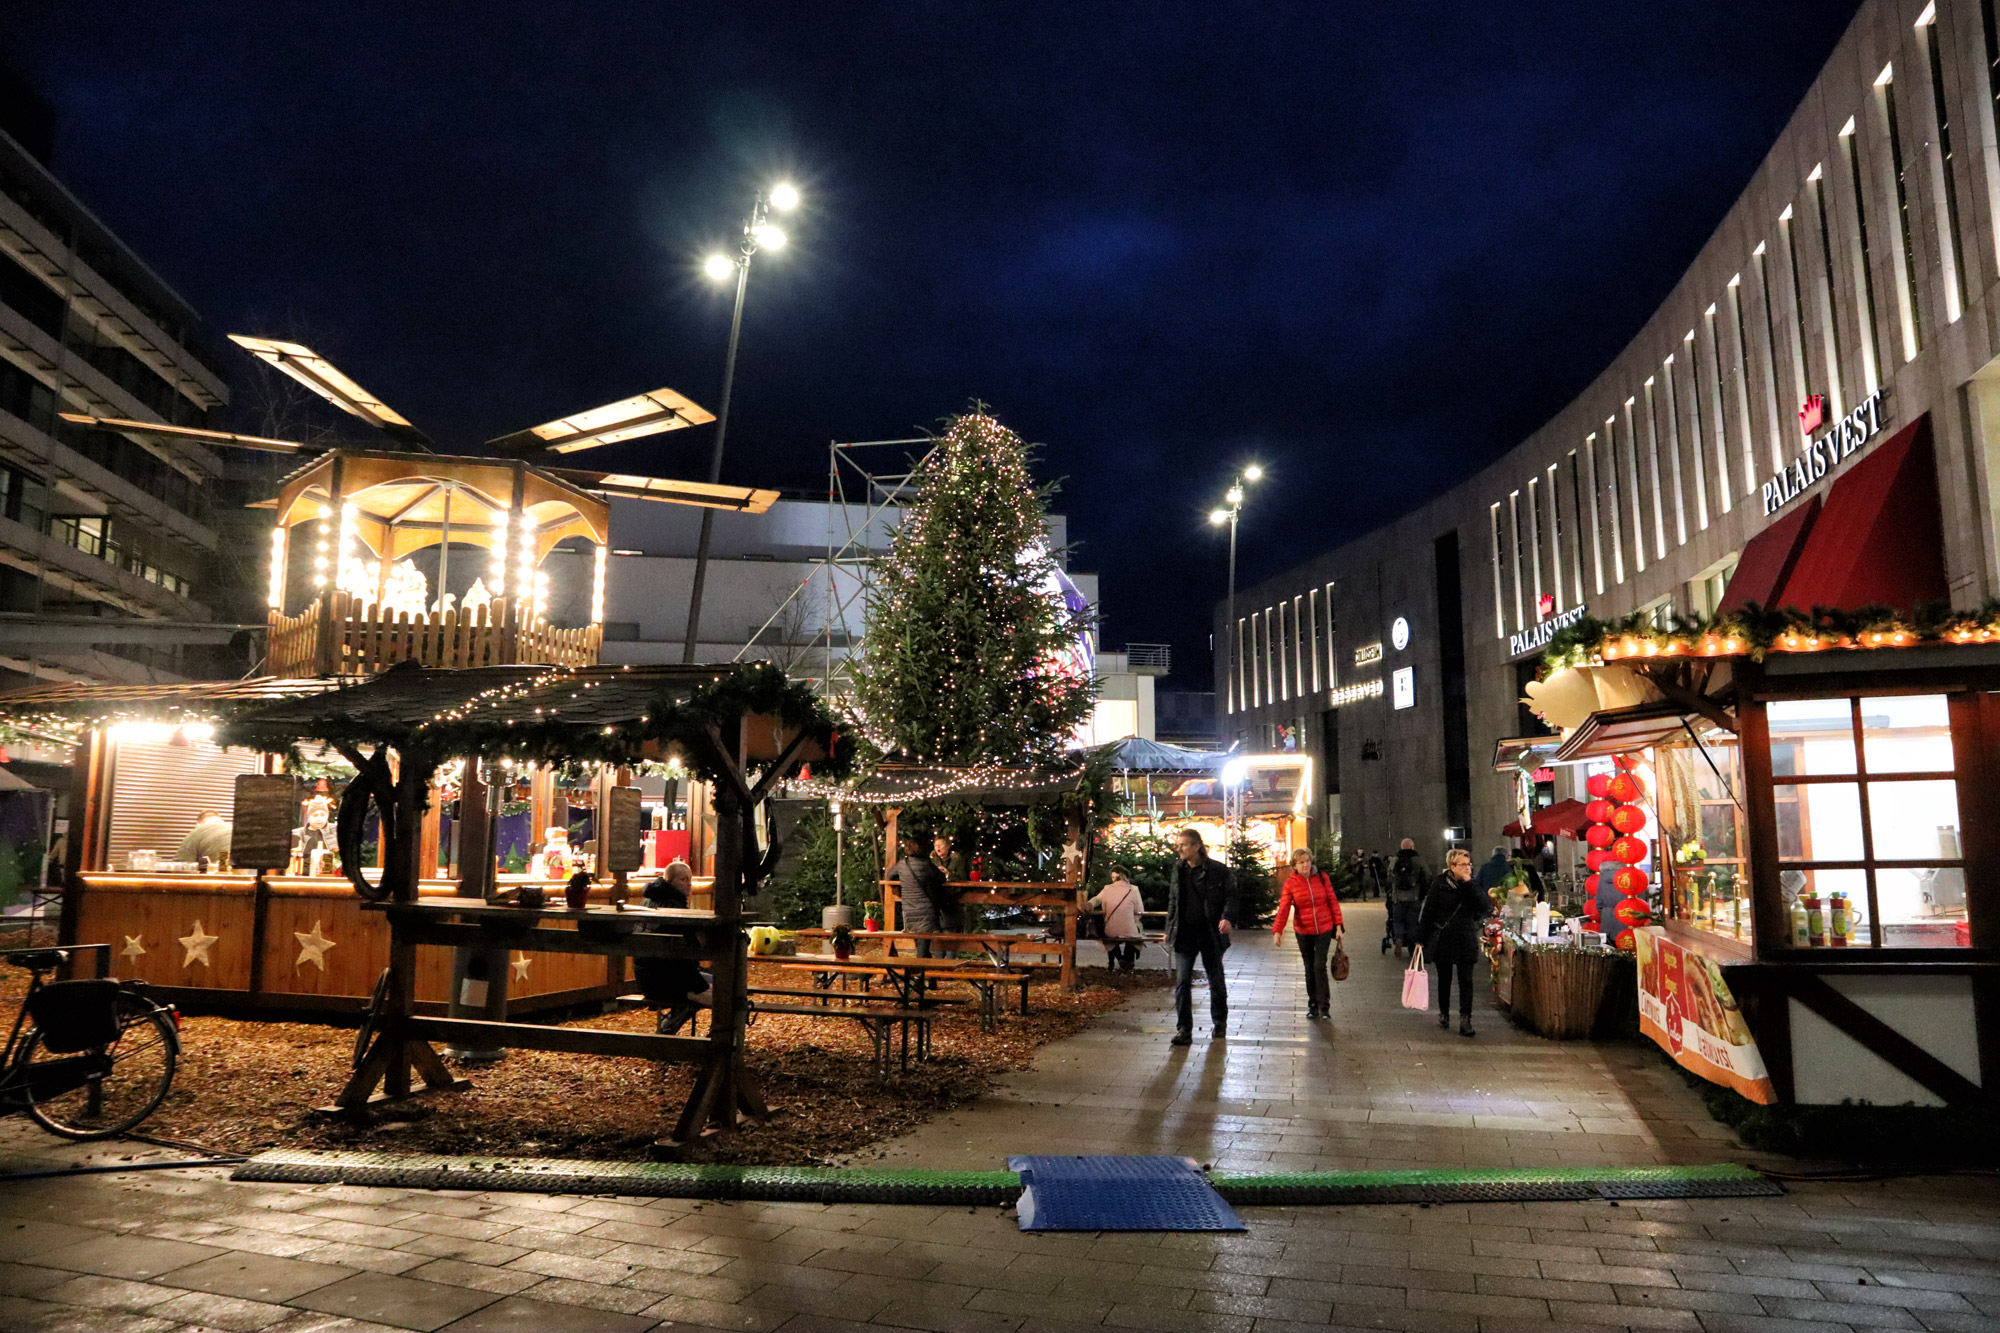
column 1454, row 911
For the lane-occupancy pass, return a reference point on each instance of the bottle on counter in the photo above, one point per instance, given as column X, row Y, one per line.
column 1801, row 926
column 1815, row 922
column 1839, row 921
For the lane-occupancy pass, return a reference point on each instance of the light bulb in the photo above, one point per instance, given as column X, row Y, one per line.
column 718, row 267
column 1255, row 472
column 1218, row 516
column 770, row 237
column 784, row 196
column 1235, row 495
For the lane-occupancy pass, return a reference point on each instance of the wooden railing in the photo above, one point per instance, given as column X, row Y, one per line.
column 338, row 635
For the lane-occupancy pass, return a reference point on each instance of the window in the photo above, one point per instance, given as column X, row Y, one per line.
column 1905, row 257
column 1555, row 539
column 1830, row 323
column 1514, row 541
column 1632, row 474
column 1596, row 526
column 1713, row 894
column 1332, row 658
column 1576, row 529
column 1611, row 494
column 1866, row 802
column 1801, row 367
column 1742, row 350
column 1318, row 650
column 1660, row 612
column 1777, row 408
column 1722, row 491
column 1499, row 593
column 1942, row 168
column 1535, row 541
column 1705, row 589
column 1694, row 449
column 1863, row 263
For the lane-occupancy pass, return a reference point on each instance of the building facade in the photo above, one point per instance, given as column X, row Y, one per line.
column 1848, row 297
column 105, row 541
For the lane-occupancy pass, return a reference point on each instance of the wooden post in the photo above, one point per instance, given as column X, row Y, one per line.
column 886, row 883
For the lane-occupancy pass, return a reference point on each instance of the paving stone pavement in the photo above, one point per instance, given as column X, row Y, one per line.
column 184, row 1250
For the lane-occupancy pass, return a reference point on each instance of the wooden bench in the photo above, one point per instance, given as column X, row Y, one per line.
column 880, row 1018
column 987, row 984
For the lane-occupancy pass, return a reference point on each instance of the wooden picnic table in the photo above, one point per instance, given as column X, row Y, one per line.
column 996, row 945
column 914, row 978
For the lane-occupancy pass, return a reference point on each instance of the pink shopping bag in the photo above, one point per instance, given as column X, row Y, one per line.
column 1416, row 981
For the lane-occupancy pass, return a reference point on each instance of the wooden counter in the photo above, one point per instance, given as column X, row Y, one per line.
column 301, row 943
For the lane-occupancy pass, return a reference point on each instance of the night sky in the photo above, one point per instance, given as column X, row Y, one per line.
column 1370, row 246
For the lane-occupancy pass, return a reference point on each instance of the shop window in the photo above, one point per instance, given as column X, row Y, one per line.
column 1866, row 805
column 1713, row 893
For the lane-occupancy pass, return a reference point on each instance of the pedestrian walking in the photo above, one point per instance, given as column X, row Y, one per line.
column 1408, row 881
column 1202, row 906
column 1319, row 928
column 1454, row 911
column 1378, row 874
column 1498, row 866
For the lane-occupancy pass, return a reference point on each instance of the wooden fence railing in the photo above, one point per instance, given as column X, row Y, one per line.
column 337, row 635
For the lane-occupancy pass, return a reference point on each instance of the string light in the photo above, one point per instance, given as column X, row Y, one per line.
column 597, row 587
column 319, row 555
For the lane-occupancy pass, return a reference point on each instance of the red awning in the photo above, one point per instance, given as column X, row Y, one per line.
column 1564, row 818
column 1512, row 829
column 1768, row 560
column 1879, row 539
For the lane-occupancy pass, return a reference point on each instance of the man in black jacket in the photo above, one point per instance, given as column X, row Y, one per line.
column 1201, row 906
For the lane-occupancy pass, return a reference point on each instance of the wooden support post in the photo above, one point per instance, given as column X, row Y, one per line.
column 886, row 883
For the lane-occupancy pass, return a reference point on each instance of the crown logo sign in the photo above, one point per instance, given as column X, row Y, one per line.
column 1812, row 415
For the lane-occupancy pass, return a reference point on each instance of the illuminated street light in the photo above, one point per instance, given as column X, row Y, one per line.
column 1234, row 495
column 758, row 234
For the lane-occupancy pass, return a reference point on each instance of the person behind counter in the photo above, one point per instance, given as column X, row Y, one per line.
column 675, row 986
column 207, row 841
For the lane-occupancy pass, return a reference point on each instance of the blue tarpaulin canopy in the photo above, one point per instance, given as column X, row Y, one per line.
column 1135, row 754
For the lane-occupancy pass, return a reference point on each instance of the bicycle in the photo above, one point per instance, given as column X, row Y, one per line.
column 99, row 1056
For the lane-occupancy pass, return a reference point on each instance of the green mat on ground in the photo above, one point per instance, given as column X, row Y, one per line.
column 554, row 1175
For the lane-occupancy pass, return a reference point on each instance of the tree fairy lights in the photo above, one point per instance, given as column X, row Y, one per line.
column 968, row 657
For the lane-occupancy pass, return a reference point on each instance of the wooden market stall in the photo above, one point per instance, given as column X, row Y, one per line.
column 1822, row 802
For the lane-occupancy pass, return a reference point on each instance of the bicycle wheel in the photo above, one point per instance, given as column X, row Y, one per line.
column 105, row 1091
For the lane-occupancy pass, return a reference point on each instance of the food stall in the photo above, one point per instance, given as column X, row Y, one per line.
column 1819, row 792
column 1263, row 797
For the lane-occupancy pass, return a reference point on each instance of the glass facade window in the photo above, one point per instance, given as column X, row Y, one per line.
column 1713, row 894
column 1863, row 262
column 1947, row 184
column 1866, row 804
column 1906, row 256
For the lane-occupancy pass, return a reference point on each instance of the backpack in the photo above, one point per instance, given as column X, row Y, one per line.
column 1407, row 880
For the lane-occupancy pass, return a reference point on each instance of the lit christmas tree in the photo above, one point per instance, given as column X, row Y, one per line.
column 972, row 651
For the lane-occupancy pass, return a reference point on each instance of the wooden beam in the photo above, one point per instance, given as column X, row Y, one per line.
column 575, row 1041
column 481, row 935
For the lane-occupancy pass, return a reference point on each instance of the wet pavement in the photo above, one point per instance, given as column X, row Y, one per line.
column 1375, row 1087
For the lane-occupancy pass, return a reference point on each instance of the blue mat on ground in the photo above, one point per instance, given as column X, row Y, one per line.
column 1119, row 1194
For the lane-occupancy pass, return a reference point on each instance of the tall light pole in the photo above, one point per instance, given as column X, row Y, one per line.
column 1234, row 499
column 758, row 234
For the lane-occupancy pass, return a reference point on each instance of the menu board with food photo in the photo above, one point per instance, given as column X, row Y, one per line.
column 1686, row 1006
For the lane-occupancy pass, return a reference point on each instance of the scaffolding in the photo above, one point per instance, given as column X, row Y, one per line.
column 858, row 497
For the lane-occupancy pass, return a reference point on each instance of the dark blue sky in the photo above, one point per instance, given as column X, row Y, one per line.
column 1371, row 246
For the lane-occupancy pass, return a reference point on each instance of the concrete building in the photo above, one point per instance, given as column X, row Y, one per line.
column 1848, row 295
column 105, row 541
column 757, row 562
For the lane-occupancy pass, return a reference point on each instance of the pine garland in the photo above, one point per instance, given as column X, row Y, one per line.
column 967, row 657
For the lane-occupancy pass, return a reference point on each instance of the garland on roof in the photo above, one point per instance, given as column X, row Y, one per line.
column 1755, row 631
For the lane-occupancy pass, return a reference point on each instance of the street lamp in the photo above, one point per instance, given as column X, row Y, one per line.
column 758, row 234
column 1233, row 498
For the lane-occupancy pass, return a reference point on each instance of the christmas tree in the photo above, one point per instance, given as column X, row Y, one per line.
column 971, row 653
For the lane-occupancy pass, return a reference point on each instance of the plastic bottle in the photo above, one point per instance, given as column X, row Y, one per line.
column 1840, row 919
column 1815, row 922
column 1801, row 927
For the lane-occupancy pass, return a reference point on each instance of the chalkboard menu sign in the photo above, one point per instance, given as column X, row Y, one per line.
column 267, row 809
column 621, row 849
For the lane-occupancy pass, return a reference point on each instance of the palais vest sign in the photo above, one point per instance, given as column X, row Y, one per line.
column 1534, row 640
column 1822, row 455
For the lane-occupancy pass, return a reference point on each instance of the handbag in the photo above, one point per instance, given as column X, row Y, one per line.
column 1340, row 963
column 1416, row 981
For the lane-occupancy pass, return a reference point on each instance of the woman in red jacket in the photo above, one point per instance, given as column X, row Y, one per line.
column 1319, row 928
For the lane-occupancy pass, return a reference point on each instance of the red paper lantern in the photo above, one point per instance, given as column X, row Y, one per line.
column 1600, row 835
column 1628, row 818
column 1627, row 763
column 1629, row 849
column 1623, row 940
column 1624, row 787
column 1596, row 859
column 1598, row 784
column 1629, row 880
column 1599, row 811
column 1632, row 911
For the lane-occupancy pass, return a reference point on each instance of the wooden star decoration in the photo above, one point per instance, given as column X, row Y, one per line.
column 197, row 946
column 133, row 947
column 312, row 947
column 521, row 961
